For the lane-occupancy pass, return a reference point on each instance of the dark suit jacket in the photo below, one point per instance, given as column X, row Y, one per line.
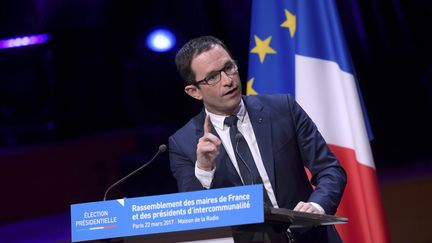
column 287, row 139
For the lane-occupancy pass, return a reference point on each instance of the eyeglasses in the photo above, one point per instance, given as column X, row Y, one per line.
column 213, row 78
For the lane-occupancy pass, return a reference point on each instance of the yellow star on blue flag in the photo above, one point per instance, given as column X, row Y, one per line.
column 262, row 47
column 271, row 57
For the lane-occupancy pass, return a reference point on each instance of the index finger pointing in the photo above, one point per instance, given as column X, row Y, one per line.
column 207, row 124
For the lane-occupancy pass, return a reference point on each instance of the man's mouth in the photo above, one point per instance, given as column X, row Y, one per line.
column 231, row 91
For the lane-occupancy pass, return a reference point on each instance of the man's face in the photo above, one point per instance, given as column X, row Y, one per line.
column 224, row 97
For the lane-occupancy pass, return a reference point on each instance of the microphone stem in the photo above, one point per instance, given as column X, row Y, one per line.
column 243, row 161
column 131, row 174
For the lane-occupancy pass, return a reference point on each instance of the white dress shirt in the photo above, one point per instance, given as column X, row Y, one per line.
column 245, row 127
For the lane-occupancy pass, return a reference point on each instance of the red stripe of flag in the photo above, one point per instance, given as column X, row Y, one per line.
column 360, row 202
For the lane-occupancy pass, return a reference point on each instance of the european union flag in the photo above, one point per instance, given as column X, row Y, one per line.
column 282, row 30
column 298, row 47
column 272, row 47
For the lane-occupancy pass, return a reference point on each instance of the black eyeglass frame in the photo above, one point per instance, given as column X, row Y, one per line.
column 217, row 72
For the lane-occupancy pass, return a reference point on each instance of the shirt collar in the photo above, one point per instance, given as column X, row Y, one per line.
column 218, row 120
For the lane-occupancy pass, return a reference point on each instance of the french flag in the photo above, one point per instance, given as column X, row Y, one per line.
column 298, row 47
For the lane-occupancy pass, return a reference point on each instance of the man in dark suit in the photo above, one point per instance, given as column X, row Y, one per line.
column 280, row 138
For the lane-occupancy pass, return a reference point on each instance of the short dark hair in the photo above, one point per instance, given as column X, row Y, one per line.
column 190, row 50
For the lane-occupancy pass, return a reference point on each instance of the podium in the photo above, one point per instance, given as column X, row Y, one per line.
column 274, row 217
column 295, row 219
column 223, row 215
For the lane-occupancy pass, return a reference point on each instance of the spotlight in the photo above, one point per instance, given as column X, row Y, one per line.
column 24, row 41
column 161, row 40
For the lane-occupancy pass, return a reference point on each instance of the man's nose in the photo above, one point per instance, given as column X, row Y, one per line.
column 226, row 79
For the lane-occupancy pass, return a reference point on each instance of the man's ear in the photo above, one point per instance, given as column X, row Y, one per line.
column 193, row 91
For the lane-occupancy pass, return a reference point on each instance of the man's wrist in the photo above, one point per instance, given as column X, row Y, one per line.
column 205, row 177
column 205, row 168
column 318, row 207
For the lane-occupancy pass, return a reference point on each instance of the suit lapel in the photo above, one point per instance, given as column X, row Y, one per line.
column 261, row 123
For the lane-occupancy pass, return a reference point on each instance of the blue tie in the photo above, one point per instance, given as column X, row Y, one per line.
column 245, row 161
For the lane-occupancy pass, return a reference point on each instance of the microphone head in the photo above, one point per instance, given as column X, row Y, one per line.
column 162, row 148
column 238, row 136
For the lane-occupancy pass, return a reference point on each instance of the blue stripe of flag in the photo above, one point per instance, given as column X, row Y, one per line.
column 276, row 74
column 319, row 34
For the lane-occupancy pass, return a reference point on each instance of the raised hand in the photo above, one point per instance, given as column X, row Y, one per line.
column 207, row 148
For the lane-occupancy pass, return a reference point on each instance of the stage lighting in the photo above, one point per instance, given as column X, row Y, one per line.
column 161, row 40
column 24, row 41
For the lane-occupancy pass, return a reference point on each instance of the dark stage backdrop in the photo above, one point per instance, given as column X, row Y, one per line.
column 94, row 103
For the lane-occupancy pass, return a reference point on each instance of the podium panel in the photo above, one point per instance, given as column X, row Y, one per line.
column 217, row 215
column 167, row 213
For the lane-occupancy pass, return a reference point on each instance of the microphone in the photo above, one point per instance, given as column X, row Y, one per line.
column 162, row 148
column 238, row 137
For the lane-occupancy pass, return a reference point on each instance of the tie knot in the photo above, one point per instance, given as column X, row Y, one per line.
column 231, row 120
